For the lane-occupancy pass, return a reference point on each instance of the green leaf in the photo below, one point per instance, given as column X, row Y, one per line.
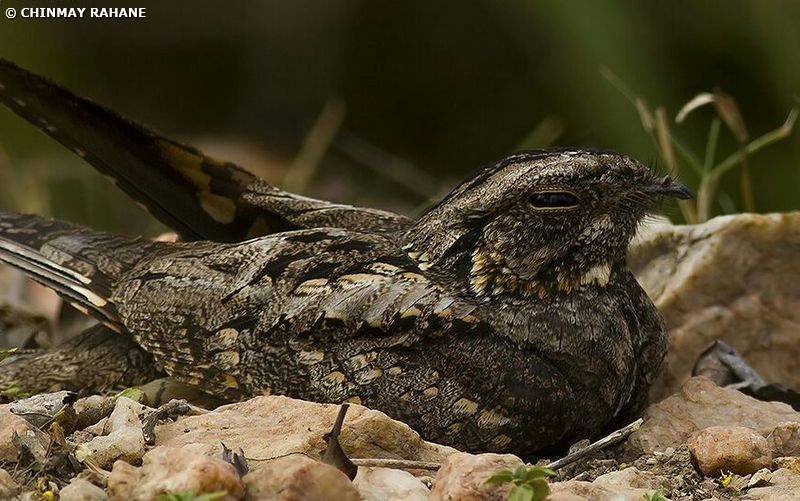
column 132, row 393
column 522, row 492
column 540, row 472
column 656, row 495
column 540, row 488
column 501, row 477
column 521, row 472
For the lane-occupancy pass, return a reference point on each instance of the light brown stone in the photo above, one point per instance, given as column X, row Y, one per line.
column 122, row 439
column 761, row 478
column 463, row 477
column 9, row 425
column 80, row 489
column 296, row 478
column 699, row 404
column 174, row 470
column 576, row 490
column 785, row 486
column 784, row 439
column 790, row 463
column 734, row 278
column 632, row 477
column 388, row 484
column 270, row 427
column 736, row 449
column 8, row 488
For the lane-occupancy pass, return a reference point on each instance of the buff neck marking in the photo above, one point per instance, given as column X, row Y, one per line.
column 489, row 276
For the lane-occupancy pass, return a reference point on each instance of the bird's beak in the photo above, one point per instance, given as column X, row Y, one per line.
column 669, row 188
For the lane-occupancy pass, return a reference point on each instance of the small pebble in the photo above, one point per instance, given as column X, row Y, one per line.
column 760, row 478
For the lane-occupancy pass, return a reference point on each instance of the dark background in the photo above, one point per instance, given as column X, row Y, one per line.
column 428, row 91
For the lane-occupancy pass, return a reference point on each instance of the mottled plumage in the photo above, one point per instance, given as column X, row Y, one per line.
column 404, row 323
column 504, row 319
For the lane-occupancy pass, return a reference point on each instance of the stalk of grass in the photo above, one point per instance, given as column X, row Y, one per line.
column 666, row 144
column 758, row 143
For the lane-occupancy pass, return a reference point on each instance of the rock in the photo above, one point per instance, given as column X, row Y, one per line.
column 387, row 484
column 463, row 477
column 174, row 470
column 785, row 487
column 8, row 488
column 40, row 409
column 632, row 477
column 9, row 425
column 700, row 404
column 790, row 463
column 91, row 410
column 274, row 426
column 736, row 449
column 80, row 489
column 298, row 477
column 577, row 490
column 123, row 439
column 760, row 478
column 784, row 439
column 733, row 278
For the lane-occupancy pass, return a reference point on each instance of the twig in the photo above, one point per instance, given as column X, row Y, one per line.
column 172, row 409
column 334, row 455
column 604, row 442
column 406, row 464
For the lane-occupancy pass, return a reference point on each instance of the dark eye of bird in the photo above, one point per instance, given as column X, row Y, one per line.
column 553, row 200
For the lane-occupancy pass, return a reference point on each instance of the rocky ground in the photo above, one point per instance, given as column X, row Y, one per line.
column 704, row 442
column 735, row 278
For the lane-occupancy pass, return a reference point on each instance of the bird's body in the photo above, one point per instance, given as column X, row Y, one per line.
column 504, row 319
column 448, row 325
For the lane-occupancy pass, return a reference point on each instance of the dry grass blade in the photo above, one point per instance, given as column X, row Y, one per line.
column 648, row 122
column 604, row 442
column 729, row 112
column 315, row 145
column 697, row 101
column 664, row 138
column 544, row 134
column 758, row 143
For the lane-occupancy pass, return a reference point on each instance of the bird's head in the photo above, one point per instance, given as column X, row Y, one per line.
column 541, row 221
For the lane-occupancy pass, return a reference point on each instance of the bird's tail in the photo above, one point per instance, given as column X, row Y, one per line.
column 79, row 264
column 197, row 196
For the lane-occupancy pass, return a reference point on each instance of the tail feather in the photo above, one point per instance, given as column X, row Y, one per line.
column 79, row 264
column 197, row 196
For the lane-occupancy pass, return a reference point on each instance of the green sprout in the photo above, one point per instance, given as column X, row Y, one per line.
column 656, row 495
column 529, row 482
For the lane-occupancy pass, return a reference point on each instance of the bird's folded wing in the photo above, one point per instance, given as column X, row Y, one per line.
column 322, row 289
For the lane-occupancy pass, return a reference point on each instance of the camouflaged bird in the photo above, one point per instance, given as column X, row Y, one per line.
column 504, row 319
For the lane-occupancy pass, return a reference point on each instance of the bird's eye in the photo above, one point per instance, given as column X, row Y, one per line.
column 553, row 200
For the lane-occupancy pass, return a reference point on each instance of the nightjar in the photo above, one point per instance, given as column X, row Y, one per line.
column 504, row 319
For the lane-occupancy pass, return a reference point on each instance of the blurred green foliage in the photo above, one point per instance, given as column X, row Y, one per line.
column 431, row 90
